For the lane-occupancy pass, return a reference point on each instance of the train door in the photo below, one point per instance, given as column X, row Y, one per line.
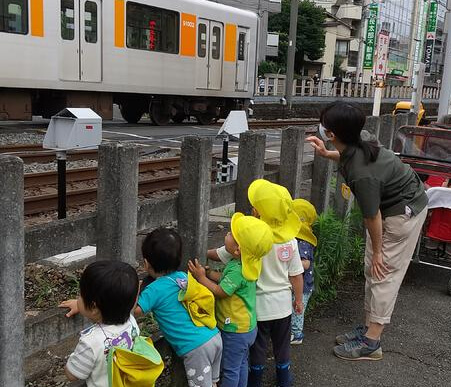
column 242, row 60
column 209, row 55
column 81, row 40
column 215, row 65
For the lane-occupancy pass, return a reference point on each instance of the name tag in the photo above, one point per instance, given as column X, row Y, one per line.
column 345, row 191
column 285, row 253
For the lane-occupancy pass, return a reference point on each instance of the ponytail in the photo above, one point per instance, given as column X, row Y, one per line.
column 370, row 150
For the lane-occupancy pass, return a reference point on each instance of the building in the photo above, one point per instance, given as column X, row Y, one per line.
column 343, row 27
column 438, row 58
column 268, row 42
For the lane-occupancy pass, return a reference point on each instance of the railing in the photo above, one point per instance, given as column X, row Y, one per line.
column 275, row 86
column 120, row 216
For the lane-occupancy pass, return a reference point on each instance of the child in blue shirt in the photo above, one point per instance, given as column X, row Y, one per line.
column 199, row 347
column 306, row 244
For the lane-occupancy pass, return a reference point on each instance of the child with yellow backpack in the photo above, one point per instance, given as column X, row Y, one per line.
column 235, row 291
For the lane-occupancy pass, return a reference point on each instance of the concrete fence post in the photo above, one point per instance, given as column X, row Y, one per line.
column 291, row 156
column 372, row 125
column 12, row 261
column 342, row 204
column 411, row 118
column 194, row 197
column 387, row 129
column 117, row 202
column 322, row 173
column 251, row 166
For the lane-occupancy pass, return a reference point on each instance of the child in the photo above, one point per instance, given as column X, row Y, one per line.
column 108, row 292
column 306, row 244
column 246, row 245
column 200, row 347
column 281, row 273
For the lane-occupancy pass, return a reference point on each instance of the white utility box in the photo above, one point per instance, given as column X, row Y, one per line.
column 74, row 128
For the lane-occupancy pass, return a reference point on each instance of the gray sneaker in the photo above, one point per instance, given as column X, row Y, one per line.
column 356, row 333
column 358, row 350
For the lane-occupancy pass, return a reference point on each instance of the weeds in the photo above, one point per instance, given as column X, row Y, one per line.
column 340, row 249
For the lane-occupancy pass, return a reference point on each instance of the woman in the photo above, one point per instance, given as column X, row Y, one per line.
column 394, row 206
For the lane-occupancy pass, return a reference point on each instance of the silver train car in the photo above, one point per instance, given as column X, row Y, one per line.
column 169, row 58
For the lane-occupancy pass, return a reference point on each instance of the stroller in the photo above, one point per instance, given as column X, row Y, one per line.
column 428, row 151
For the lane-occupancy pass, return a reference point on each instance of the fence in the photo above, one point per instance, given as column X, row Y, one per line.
column 275, row 86
column 119, row 217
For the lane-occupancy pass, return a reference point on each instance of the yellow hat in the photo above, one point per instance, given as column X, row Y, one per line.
column 255, row 240
column 307, row 214
column 275, row 206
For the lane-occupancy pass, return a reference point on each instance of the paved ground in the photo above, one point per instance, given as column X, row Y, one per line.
column 417, row 345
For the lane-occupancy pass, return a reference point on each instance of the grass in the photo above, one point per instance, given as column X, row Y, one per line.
column 340, row 250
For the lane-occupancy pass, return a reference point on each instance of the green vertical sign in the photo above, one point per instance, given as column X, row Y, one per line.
column 370, row 37
column 430, row 36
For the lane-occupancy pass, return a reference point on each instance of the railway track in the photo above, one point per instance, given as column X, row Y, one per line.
column 34, row 204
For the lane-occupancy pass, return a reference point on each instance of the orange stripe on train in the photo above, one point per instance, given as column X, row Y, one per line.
column 230, row 43
column 119, row 26
column 188, row 35
column 37, row 17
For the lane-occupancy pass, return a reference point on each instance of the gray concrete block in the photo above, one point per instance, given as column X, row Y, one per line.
column 153, row 213
column 60, row 236
column 320, row 194
column 387, row 129
column 117, row 202
column 50, row 327
column 251, row 162
column 12, row 260
column 342, row 205
column 412, row 118
column 400, row 121
column 194, row 197
column 291, row 156
column 372, row 125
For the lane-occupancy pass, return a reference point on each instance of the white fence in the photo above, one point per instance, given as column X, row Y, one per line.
column 275, row 86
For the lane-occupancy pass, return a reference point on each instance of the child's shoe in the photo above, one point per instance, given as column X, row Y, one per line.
column 283, row 375
column 297, row 339
column 255, row 378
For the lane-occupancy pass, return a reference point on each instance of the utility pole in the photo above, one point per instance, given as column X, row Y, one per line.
column 445, row 93
column 291, row 51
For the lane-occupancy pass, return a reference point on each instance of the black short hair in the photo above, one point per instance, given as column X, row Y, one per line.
column 346, row 120
column 111, row 286
column 162, row 249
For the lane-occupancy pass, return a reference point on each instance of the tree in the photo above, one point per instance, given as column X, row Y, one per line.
column 310, row 39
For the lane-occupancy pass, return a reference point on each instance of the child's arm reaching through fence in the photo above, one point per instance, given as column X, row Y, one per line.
column 199, row 273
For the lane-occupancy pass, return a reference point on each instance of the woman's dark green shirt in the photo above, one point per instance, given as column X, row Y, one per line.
column 386, row 184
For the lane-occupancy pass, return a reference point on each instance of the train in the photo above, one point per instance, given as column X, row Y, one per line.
column 172, row 59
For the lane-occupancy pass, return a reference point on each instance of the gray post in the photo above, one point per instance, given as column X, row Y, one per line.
column 194, row 197
column 291, row 155
column 400, row 120
column 117, row 202
column 372, row 125
column 412, row 118
column 291, row 51
column 342, row 205
column 12, row 261
column 322, row 173
column 386, row 130
column 251, row 166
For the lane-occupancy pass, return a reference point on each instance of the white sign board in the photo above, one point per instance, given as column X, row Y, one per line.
column 380, row 67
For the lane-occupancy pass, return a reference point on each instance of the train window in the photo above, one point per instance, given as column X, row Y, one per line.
column 241, row 45
column 14, row 16
column 152, row 28
column 202, row 40
column 216, row 43
column 67, row 20
column 91, row 22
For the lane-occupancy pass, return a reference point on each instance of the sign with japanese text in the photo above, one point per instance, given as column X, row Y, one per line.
column 430, row 36
column 370, row 36
column 380, row 68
